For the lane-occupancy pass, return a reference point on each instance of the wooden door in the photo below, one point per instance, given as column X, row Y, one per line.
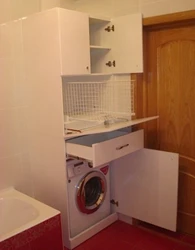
column 169, row 90
column 74, row 42
column 145, row 184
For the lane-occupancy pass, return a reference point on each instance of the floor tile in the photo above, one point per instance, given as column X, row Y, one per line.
column 122, row 236
column 153, row 242
column 189, row 239
column 165, row 232
column 26, row 247
column 81, row 247
column 184, row 247
column 127, row 233
column 115, row 245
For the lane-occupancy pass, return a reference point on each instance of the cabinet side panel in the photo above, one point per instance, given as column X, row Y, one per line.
column 145, row 184
column 45, row 117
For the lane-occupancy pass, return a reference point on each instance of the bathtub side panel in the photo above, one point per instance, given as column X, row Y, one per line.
column 46, row 235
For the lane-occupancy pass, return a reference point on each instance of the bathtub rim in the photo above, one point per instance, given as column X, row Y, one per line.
column 45, row 212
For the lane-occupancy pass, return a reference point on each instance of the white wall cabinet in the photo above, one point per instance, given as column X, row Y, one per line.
column 117, row 46
column 61, row 42
column 88, row 45
column 92, row 45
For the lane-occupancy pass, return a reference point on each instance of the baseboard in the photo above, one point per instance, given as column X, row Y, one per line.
column 85, row 235
column 125, row 218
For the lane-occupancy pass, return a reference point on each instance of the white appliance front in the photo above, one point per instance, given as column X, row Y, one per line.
column 88, row 195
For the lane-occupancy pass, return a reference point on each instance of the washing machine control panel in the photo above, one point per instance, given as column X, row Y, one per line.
column 80, row 168
column 76, row 167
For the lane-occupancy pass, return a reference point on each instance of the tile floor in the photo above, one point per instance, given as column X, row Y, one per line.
column 122, row 236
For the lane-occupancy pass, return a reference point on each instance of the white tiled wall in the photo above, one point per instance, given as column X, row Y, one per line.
column 31, row 115
column 48, row 4
column 15, row 167
column 107, row 7
column 15, row 163
column 14, row 9
column 122, row 7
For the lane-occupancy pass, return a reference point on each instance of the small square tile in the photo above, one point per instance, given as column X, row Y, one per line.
column 153, row 242
column 122, row 236
column 127, row 233
column 162, row 231
column 80, row 247
column 50, row 240
column 25, row 247
column 189, row 239
column 116, row 245
column 184, row 247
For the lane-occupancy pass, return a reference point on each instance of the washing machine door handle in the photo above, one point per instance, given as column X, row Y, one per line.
column 81, row 196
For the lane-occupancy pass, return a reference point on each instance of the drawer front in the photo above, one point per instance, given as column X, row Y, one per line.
column 110, row 150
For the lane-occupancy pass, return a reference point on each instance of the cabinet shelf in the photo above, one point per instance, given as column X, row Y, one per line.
column 98, row 19
column 95, row 47
column 113, row 127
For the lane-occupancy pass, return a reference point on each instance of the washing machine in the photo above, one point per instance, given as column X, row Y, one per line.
column 88, row 195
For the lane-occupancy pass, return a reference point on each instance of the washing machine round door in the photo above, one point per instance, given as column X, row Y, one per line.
column 91, row 192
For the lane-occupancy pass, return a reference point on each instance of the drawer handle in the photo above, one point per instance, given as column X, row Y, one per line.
column 121, row 147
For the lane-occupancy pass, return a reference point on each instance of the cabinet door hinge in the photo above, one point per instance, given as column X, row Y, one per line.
column 111, row 64
column 110, row 28
column 114, row 202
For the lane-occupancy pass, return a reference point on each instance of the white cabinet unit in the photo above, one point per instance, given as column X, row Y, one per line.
column 144, row 185
column 87, row 45
column 61, row 50
column 144, row 182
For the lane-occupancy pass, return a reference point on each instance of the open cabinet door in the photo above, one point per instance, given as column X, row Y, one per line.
column 145, row 184
column 127, row 44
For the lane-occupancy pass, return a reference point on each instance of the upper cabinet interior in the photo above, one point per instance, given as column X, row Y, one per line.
column 116, row 44
column 92, row 45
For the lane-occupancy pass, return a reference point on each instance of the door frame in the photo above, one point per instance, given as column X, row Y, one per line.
column 167, row 19
column 178, row 19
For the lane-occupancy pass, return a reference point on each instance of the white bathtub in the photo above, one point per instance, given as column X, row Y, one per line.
column 19, row 212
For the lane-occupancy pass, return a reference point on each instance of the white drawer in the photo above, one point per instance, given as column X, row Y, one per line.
column 105, row 147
